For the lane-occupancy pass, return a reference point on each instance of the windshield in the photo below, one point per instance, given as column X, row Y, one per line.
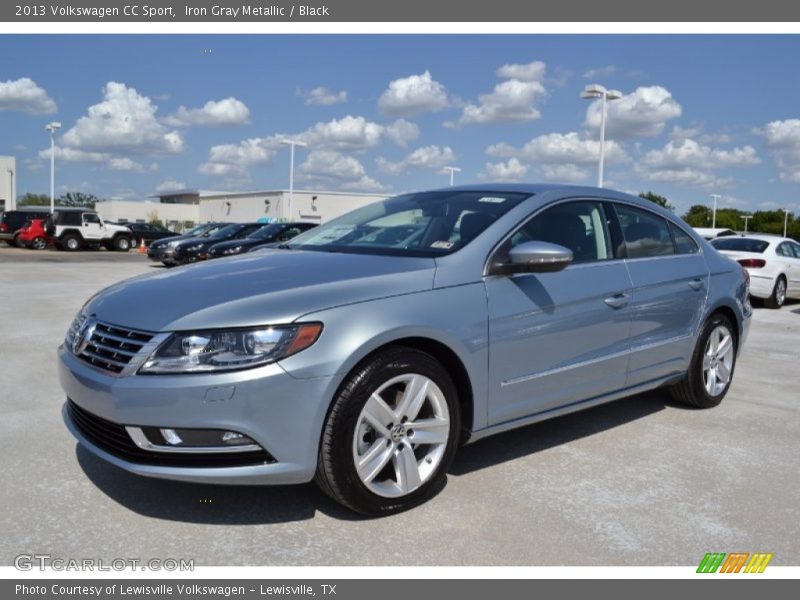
column 266, row 232
column 214, row 230
column 428, row 224
column 740, row 244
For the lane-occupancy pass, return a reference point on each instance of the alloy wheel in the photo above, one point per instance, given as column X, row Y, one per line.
column 718, row 360
column 401, row 435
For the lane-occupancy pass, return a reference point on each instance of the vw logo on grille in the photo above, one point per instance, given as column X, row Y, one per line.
column 83, row 336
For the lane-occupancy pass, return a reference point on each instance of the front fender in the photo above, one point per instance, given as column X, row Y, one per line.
column 456, row 317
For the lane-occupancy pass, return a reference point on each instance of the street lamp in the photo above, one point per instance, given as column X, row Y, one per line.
column 592, row 92
column 452, row 170
column 12, row 201
column 292, row 144
column 746, row 219
column 714, row 213
column 52, row 128
column 785, row 221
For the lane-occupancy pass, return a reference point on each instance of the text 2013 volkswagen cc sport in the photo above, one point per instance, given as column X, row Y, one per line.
column 363, row 352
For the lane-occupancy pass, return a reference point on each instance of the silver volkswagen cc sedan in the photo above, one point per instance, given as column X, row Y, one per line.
column 363, row 353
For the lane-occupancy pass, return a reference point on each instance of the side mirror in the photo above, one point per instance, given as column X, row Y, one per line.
column 535, row 257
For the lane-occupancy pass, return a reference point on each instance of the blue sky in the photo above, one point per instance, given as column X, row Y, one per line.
column 701, row 114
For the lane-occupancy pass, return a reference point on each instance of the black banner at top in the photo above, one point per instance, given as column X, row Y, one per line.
column 333, row 11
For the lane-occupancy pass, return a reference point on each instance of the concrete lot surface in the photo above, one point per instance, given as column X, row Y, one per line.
column 638, row 482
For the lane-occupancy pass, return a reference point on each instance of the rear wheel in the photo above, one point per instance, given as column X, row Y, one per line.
column 71, row 242
column 38, row 243
column 391, row 434
column 711, row 368
column 778, row 296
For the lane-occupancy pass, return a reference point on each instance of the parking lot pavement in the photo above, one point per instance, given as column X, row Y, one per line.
column 637, row 482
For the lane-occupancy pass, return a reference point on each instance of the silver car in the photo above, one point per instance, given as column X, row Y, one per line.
column 365, row 351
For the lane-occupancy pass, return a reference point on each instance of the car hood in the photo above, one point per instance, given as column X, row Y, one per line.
column 274, row 286
column 245, row 242
column 167, row 240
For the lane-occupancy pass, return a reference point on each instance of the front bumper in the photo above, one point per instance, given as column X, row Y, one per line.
column 283, row 414
column 160, row 254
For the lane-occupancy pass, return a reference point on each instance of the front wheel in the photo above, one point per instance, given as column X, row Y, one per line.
column 391, row 433
column 711, row 368
column 122, row 243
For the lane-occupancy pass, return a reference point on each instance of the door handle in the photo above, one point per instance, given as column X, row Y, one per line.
column 696, row 284
column 617, row 300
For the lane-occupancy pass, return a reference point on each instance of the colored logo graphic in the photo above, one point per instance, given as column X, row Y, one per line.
column 737, row 562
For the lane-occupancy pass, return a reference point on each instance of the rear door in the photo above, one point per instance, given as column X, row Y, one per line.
column 790, row 253
column 558, row 338
column 670, row 285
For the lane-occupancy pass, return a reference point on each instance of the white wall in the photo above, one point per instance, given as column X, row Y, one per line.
column 8, row 181
column 115, row 210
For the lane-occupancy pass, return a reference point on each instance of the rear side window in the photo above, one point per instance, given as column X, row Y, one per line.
column 784, row 250
column 69, row 218
column 645, row 233
column 684, row 244
column 796, row 250
column 739, row 244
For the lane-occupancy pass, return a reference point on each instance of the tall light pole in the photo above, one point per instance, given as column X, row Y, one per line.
column 292, row 144
column 592, row 92
column 12, row 202
column 52, row 128
column 452, row 170
column 714, row 212
column 746, row 219
column 785, row 221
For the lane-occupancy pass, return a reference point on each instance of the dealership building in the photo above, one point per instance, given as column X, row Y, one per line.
column 8, row 183
column 186, row 208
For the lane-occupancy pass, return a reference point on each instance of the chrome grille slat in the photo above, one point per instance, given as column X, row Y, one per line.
column 116, row 349
column 104, row 359
column 113, row 349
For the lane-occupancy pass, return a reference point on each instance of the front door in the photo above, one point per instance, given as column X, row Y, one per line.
column 92, row 227
column 559, row 338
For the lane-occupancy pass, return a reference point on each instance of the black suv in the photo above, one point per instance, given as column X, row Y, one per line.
column 11, row 221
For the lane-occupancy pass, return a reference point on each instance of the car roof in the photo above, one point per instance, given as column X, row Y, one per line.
column 764, row 237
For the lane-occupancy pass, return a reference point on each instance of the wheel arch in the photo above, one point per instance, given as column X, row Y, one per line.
column 732, row 315
column 71, row 231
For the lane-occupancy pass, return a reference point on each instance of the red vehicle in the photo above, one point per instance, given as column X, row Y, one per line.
column 33, row 235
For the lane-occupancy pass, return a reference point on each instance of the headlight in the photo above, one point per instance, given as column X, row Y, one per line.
column 192, row 248
column 234, row 250
column 204, row 351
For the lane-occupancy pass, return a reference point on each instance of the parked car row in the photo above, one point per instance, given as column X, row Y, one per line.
column 217, row 240
column 773, row 263
column 66, row 228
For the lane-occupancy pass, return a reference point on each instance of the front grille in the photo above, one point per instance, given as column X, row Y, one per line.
column 111, row 348
column 113, row 438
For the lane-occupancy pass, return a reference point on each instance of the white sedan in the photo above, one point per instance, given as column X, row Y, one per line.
column 773, row 263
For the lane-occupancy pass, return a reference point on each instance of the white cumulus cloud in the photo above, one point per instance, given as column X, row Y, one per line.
column 23, row 95
column 783, row 140
column 170, row 185
column 234, row 159
column 643, row 113
column 428, row 157
column 123, row 123
column 413, row 95
column 511, row 101
column 401, row 132
column 331, row 167
column 511, row 170
column 215, row 113
column 322, row 96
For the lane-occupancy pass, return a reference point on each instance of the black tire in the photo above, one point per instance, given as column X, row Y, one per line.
column 778, row 296
column 38, row 243
column 691, row 390
column 122, row 243
column 71, row 242
column 336, row 470
column 16, row 243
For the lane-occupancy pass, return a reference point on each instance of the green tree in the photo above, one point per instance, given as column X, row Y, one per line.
column 698, row 215
column 34, row 200
column 77, row 199
column 656, row 199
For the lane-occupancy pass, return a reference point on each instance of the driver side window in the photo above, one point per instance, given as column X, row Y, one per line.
column 579, row 226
